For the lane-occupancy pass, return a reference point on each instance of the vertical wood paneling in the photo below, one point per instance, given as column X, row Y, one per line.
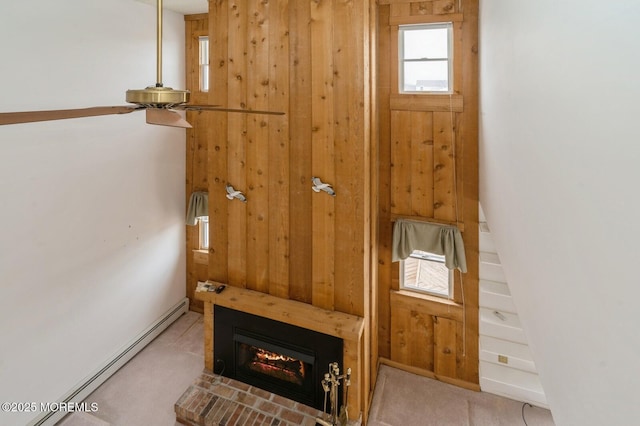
column 322, row 154
column 400, row 162
column 196, row 150
column 236, row 136
column 326, row 43
column 469, row 131
column 309, row 59
column 300, row 152
column 422, row 163
column 444, row 185
column 258, row 171
column 451, row 152
column 371, row 332
column 344, row 48
column 279, row 150
column 350, row 155
column 208, row 335
column 384, row 182
column 445, row 350
column 217, row 152
column 461, row 352
column 412, row 341
column 421, row 329
column 401, row 335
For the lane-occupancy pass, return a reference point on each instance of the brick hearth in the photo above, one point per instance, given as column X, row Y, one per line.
column 214, row 400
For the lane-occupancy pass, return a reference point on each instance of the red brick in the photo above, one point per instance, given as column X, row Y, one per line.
column 233, row 417
column 246, row 399
column 260, row 393
column 225, row 391
column 207, row 409
column 185, row 395
column 263, row 419
column 205, row 405
column 226, row 418
column 244, row 414
column 268, row 407
column 285, row 402
column 291, row 416
column 251, row 418
column 239, row 385
column 195, row 402
column 187, row 399
column 217, row 412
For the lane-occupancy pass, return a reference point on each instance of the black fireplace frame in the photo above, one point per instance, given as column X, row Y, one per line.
column 317, row 348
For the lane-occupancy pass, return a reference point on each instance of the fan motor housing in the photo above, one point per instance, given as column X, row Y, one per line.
column 158, row 96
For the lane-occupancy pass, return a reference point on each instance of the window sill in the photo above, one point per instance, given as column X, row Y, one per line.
column 437, row 306
column 201, row 257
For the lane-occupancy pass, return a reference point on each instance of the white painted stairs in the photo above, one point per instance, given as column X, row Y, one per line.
column 506, row 365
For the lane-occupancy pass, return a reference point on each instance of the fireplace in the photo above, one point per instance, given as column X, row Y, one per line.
column 275, row 356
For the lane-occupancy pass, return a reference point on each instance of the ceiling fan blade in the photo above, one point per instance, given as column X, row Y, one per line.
column 61, row 114
column 222, row 109
column 164, row 117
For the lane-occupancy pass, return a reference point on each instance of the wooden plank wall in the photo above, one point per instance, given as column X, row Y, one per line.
column 428, row 171
column 310, row 60
column 197, row 147
column 386, row 155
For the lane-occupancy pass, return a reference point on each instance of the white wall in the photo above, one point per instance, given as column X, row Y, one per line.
column 559, row 158
column 91, row 220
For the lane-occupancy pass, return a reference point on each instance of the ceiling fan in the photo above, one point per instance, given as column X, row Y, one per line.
column 158, row 101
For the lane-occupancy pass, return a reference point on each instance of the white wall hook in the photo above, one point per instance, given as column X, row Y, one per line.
column 318, row 186
column 232, row 193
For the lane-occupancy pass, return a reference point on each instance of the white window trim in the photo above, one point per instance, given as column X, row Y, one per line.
column 449, row 59
column 203, row 63
column 203, row 227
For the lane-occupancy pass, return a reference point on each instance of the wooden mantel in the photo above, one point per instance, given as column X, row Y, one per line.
column 349, row 328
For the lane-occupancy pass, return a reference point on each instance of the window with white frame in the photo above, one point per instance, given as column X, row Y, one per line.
column 425, row 58
column 426, row 272
column 203, row 223
column 203, row 62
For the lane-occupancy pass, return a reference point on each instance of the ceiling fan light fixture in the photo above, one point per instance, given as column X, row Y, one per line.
column 158, row 97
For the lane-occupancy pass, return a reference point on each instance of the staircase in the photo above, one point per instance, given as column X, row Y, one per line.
column 506, row 365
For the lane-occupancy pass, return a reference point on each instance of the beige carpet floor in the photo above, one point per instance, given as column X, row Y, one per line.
column 402, row 398
column 144, row 391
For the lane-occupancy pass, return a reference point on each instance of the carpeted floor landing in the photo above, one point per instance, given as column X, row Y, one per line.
column 402, row 398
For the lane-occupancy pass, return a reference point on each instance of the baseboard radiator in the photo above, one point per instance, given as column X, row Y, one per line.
column 102, row 373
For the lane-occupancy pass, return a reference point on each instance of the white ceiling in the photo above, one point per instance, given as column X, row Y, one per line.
column 185, row 7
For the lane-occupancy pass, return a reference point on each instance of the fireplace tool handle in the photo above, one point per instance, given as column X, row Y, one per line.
column 337, row 415
column 344, row 413
column 326, row 386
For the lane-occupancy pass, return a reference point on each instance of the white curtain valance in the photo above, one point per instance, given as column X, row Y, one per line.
column 444, row 240
column 198, row 207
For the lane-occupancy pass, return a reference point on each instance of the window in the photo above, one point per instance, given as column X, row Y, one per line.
column 203, row 63
column 425, row 58
column 426, row 272
column 203, row 223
